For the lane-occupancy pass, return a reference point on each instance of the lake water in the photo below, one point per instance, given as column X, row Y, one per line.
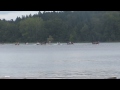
column 81, row 60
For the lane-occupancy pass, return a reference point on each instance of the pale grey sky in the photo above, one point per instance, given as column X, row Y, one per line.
column 8, row 15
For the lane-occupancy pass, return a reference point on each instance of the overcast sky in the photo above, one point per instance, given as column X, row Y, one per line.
column 8, row 15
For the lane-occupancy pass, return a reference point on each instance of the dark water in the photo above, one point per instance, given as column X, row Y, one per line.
column 81, row 60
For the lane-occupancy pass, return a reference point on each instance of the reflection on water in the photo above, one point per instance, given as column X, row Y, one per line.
column 81, row 60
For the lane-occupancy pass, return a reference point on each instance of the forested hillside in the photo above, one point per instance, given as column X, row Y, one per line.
column 63, row 26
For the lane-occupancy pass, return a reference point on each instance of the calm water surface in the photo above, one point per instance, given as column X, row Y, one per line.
column 81, row 60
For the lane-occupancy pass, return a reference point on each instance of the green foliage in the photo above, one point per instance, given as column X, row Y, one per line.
column 31, row 29
column 50, row 39
column 63, row 26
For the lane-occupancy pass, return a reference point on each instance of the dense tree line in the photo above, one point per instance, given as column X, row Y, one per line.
column 63, row 26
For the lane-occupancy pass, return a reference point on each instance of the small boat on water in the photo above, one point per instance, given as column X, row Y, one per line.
column 69, row 43
column 43, row 43
column 58, row 43
column 17, row 43
column 37, row 43
column 26, row 43
column 97, row 42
